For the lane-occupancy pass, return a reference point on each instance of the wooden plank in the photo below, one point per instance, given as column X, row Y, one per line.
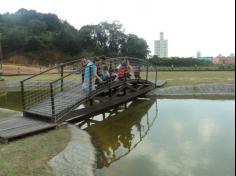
column 21, row 126
column 23, row 130
column 16, row 125
column 17, row 120
column 61, row 99
column 161, row 83
column 20, row 121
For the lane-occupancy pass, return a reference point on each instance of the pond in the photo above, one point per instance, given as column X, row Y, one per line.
column 166, row 137
column 11, row 100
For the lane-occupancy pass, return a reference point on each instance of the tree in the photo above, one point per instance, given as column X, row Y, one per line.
column 37, row 26
column 113, row 37
column 32, row 44
column 179, row 62
column 86, row 37
column 52, row 21
column 39, row 34
column 14, row 39
column 135, row 47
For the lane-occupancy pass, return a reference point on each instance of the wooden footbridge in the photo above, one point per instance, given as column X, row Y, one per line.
column 56, row 95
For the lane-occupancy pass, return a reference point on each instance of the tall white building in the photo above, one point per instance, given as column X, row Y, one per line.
column 161, row 46
column 198, row 54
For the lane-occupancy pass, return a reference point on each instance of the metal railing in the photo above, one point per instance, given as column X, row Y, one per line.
column 39, row 87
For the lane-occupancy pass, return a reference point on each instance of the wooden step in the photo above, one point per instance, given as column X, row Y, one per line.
column 21, row 126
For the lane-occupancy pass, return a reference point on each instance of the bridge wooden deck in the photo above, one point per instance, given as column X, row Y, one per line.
column 12, row 128
column 62, row 101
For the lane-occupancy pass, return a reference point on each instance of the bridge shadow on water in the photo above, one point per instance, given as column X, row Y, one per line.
column 116, row 132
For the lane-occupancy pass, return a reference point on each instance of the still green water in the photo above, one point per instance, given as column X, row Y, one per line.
column 167, row 138
column 11, row 100
column 162, row 137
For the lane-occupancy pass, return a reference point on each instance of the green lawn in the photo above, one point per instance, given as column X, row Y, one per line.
column 195, row 77
column 4, row 114
column 173, row 78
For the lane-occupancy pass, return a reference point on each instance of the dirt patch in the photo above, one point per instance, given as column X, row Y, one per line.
column 23, row 60
column 11, row 69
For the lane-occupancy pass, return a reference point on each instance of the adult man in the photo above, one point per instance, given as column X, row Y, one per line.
column 90, row 75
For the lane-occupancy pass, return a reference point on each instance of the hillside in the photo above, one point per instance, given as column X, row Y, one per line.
column 40, row 38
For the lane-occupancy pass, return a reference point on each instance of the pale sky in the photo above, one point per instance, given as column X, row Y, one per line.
column 207, row 26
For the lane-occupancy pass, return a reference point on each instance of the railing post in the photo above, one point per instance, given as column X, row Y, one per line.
column 22, row 95
column 52, row 101
column 62, row 74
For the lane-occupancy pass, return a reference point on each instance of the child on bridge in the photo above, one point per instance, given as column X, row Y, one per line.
column 124, row 70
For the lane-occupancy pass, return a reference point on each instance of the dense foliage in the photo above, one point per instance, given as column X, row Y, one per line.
column 27, row 31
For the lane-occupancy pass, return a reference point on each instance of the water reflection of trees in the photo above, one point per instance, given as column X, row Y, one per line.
column 120, row 132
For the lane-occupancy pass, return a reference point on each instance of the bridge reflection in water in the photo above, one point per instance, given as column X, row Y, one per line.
column 117, row 132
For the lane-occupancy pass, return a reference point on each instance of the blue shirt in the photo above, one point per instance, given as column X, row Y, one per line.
column 87, row 69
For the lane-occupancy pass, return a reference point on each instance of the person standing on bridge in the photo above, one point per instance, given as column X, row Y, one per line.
column 90, row 75
column 124, row 70
column 137, row 71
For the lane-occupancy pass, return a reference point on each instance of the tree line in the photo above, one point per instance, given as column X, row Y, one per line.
column 179, row 62
column 28, row 31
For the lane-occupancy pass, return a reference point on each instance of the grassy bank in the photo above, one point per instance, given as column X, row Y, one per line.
column 177, row 78
column 173, row 78
column 29, row 156
column 193, row 78
column 201, row 68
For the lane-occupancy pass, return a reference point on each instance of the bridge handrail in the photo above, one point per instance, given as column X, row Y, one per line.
column 33, row 76
column 57, row 66
column 78, row 60
column 59, row 79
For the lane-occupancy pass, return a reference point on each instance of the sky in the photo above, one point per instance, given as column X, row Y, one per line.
column 189, row 26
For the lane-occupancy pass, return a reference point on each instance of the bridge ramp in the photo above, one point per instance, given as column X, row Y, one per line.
column 62, row 101
column 12, row 128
